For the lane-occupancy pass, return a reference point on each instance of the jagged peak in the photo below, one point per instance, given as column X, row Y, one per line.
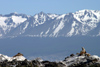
column 87, row 11
column 41, row 13
column 13, row 13
column 16, row 14
column 52, row 15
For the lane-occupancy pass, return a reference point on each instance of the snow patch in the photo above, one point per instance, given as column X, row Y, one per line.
column 26, row 26
column 77, row 32
column 2, row 21
column 19, row 58
column 72, row 29
column 60, row 26
column 61, row 16
column 36, row 19
column 54, row 26
column 98, row 34
column 95, row 57
column 47, row 31
column 41, row 34
column 18, row 19
column 39, row 19
column 71, row 32
column 52, row 16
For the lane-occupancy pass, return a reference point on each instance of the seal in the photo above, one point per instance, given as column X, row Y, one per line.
column 18, row 54
column 83, row 52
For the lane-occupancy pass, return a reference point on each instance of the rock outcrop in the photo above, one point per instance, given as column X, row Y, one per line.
column 82, row 59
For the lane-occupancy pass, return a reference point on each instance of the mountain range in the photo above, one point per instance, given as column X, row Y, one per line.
column 81, row 23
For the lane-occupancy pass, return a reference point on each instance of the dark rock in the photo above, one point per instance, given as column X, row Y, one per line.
column 45, row 62
column 72, row 55
column 66, row 58
column 52, row 64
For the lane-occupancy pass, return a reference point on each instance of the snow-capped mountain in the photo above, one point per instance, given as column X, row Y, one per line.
column 80, row 23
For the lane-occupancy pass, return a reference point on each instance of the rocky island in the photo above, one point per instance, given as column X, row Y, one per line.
column 81, row 59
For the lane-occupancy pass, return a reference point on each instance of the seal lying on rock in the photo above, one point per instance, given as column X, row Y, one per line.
column 19, row 54
column 19, row 57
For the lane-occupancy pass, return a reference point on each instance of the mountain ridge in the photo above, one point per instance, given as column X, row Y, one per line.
column 81, row 23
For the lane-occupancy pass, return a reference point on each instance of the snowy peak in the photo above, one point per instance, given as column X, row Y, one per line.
column 11, row 14
column 40, row 18
column 2, row 21
column 87, row 19
column 13, row 17
column 15, row 14
column 41, row 13
column 87, row 15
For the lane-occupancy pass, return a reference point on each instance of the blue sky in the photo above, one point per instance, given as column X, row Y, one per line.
column 31, row 7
